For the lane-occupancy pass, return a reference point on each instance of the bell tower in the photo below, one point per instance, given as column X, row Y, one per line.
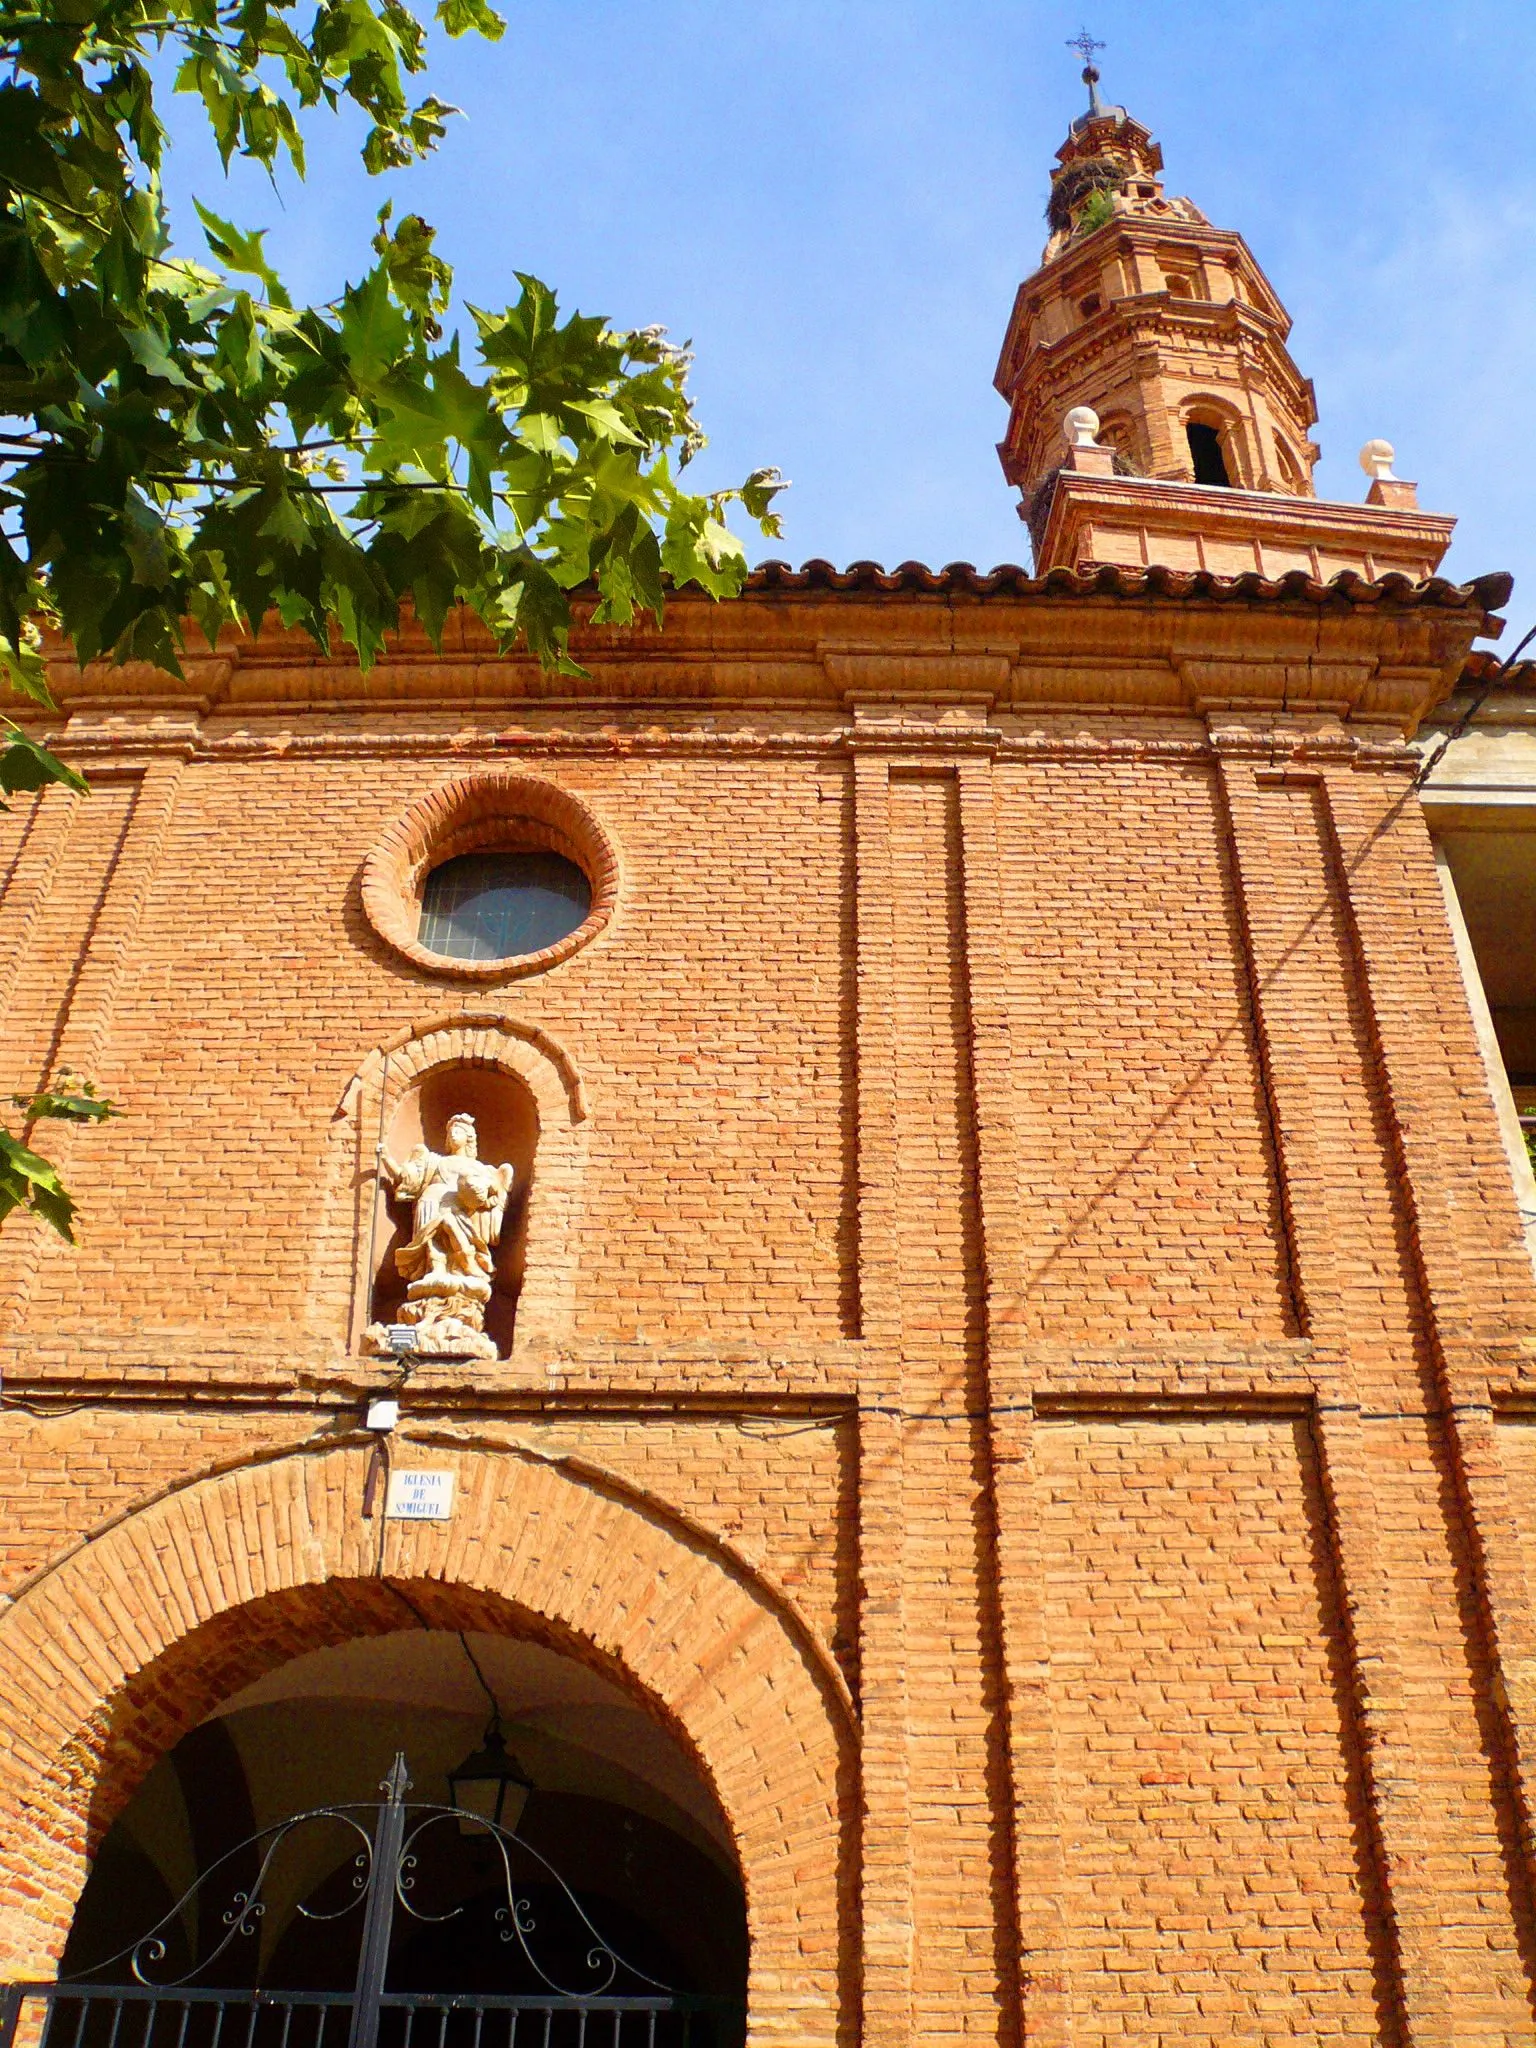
column 1155, row 413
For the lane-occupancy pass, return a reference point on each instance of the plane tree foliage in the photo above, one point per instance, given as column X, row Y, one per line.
column 183, row 448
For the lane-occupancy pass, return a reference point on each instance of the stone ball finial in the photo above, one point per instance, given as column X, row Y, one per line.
column 1376, row 460
column 1081, row 427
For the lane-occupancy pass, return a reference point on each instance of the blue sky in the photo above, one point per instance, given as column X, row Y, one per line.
column 836, row 201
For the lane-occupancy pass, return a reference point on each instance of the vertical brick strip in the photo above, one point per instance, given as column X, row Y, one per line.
column 1288, row 915
column 28, row 878
column 79, row 1038
column 886, row 1847
column 1474, row 1278
column 61, row 892
column 965, row 1973
column 1032, row 1817
column 85, row 1029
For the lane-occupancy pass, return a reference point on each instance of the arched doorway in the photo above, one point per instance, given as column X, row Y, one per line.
column 614, row 1898
column 130, row 1642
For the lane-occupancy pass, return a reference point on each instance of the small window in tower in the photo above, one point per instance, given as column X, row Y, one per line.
column 1089, row 306
column 1180, row 286
column 1205, row 453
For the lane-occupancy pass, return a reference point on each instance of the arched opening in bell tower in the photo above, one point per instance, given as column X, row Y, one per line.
column 1207, row 454
column 617, row 1880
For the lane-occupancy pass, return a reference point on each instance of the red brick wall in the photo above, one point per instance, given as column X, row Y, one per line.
column 1213, row 1806
column 1148, row 1185
column 255, row 981
column 1037, row 1402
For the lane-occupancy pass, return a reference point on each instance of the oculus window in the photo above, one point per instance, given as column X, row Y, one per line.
column 494, row 906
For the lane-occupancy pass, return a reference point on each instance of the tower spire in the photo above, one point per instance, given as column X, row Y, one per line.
column 1085, row 45
column 1155, row 412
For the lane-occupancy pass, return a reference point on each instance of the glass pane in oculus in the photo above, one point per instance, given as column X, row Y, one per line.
column 493, row 906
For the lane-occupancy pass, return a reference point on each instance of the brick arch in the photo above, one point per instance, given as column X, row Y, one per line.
column 468, row 1038
column 1235, row 429
column 113, row 1654
column 486, row 808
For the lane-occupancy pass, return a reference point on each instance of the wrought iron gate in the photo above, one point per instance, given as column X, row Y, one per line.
column 620, row 2007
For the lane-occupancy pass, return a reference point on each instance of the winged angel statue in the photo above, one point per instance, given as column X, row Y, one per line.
column 459, row 1204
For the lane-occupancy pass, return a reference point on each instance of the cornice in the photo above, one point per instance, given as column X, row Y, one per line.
column 1142, row 326
column 1081, row 266
column 797, row 645
column 896, row 724
column 1271, row 509
column 1089, row 516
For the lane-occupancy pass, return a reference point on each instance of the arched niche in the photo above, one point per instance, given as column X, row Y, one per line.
column 1293, row 474
column 530, row 1093
column 1119, row 431
column 507, row 1130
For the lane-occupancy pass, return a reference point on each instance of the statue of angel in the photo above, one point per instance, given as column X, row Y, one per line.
column 459, row 1203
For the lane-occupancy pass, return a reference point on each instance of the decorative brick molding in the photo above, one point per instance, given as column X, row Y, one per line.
column 229, row 1577
column 472, row 814
column 468, row 1039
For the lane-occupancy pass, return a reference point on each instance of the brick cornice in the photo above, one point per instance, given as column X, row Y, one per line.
column 1119, row 639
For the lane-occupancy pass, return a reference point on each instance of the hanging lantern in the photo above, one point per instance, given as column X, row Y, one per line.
column 489, row 1786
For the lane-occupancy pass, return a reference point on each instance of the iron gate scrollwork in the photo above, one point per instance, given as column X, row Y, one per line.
column 618, row 2005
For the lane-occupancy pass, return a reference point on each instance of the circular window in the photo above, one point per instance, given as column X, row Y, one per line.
column 493, row 906
column 491, row 877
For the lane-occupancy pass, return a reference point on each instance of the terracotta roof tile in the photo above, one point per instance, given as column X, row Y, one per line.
column 1484, row 670
column 1484, row 593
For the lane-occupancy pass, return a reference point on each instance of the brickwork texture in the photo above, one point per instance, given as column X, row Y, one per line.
column 1019, row 1340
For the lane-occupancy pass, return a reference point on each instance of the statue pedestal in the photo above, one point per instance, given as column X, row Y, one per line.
column 447, row 1314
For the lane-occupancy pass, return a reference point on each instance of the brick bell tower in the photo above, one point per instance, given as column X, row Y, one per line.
column 1156, row 416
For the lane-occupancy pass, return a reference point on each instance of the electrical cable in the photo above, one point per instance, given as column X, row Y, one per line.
column 1432, row 761
column 474, row 1663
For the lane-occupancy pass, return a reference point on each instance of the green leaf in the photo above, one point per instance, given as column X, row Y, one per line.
column 28, row 1180
column 242, row 252
column 150, row 352
column 25, row 763
column 757, row 496
column 420, row 280
column 148, row 544
column 23, row 668
column 605, row 416
column 458, row 17
column 69, row 1099
column 374, row 331
column 285, row 522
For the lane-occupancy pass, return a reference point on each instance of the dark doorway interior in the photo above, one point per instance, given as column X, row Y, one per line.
column 617, row 1813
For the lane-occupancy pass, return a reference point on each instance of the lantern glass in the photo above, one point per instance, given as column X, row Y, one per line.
column 490, row 1786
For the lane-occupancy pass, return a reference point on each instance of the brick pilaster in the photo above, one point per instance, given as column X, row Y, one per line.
column 1475, row 1282
column 886, row 1865
column 1285, row 890
column 1035, row 1848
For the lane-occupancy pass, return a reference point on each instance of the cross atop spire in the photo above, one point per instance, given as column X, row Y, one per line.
column 1085, row 45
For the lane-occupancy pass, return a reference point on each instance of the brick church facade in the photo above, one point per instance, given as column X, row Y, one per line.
column 1010, row 1456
